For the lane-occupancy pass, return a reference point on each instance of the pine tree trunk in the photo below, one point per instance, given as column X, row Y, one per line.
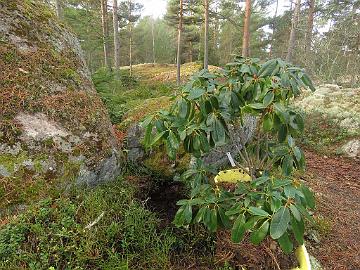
column 105, row 30
column 178, row 57
column 310, row 26
column 116, row 35
column 130, row 38
column 59, row 9
column 153, row 41
column 294, row 25
column 273, row 28
column 246, row 36
column 206, row 36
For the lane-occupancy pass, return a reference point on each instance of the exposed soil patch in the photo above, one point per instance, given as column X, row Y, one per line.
column 163, row 200
column 336, row 181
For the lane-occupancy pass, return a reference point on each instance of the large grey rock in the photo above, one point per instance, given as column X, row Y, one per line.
column 53, row 125
column 239, row 136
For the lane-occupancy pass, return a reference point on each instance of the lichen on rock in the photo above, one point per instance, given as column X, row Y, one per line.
column 53, row 125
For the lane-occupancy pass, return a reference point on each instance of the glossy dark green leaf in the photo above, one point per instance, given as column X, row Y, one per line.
column 295, row 212
column 196, row 93
column 224, row 218
column 298, row 230
column 179, row 219
column 268, row 122
column 258, row 211
column 157, row 138
column 268, row 99
column 258, row 235
column 257, row 106
column 285, row 243
column 200, row 215
column 238, row 229
column 287, row 165
column 307, row 81
column 297, row 153
column 267, row 68
column 174, row 141
column 212, row 225
column 279, row 223
column 148, row 134
column 188, row 213
column 183, row 108
column 309, row 196
column 282, row 133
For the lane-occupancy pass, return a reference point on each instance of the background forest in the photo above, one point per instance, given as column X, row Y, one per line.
column 326, row 41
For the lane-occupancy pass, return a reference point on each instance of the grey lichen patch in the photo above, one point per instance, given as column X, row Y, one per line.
column 39, row 127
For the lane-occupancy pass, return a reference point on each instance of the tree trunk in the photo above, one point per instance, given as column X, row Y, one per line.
column 153, row 40
column 130, row 39
column 294, row 25
column 310, row 26
column 178, row 60
column 206, row 36
column 105, row 30
column 273, row 28
column 246, row 36
column 59, row 9
column 116, row 35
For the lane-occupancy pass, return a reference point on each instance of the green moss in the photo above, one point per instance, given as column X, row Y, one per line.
column 51, row 233
column 10, row 161
column 70, row 74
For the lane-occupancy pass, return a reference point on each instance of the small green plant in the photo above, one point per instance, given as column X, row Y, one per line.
column 274, row 203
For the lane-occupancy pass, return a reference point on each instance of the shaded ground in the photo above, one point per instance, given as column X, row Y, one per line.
column 336, row 181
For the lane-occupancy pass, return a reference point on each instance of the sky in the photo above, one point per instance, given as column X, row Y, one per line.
column 157, row 8
column 154, row 8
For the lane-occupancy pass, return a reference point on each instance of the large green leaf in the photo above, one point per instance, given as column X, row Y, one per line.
column 212, row 225
column 285, row 243
column 279, row 222
column 258, row 235
column 309, row 196
column 295, row 212
column 287, row 165
column 268, row 122
column 298, row 230
column 268, row 98
column 238, row 229
column 183, row 108
column 224, row 218
column 258, row 211
column 196, row 93
column 267, row 68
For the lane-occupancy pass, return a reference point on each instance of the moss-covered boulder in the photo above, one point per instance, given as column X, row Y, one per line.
column 53, row 125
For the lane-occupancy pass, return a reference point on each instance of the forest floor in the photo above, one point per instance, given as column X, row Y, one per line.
column 336, row 182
